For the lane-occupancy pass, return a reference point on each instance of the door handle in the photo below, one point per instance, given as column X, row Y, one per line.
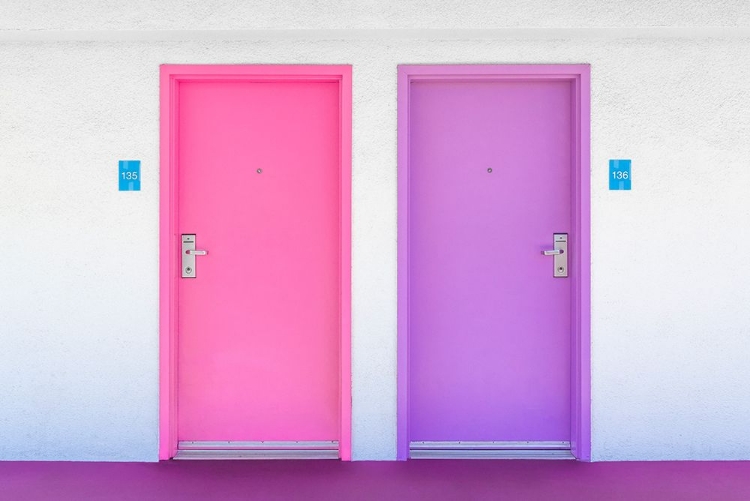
column 560, row 253
column 188, row 255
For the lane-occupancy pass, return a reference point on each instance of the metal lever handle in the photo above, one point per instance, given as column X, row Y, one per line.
column 196, row 252
column 555, row 252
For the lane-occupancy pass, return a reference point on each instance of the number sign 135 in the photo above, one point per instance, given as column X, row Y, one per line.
column 130, row 175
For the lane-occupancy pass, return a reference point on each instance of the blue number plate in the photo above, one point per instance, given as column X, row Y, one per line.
column 130, row 175
column 619, row 175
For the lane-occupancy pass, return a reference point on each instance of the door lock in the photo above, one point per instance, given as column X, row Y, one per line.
column 188, row 255
column 560, row 253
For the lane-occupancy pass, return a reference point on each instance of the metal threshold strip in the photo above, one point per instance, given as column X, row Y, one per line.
column 490, row 450
column 225, row 449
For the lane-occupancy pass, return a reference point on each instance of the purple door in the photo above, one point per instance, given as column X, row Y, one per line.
column 489, row 323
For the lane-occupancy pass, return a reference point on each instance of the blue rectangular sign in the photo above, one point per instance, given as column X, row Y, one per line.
column 619, row 175
column 130, row 175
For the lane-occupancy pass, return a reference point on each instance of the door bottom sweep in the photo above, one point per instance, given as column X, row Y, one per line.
column 490, row 450
column 257, row 450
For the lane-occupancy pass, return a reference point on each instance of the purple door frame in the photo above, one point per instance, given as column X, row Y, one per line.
column 579, row 76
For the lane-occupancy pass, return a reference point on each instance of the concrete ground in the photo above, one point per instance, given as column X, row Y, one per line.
column 432, row 480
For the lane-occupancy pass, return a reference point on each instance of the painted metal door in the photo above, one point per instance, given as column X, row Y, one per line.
column 258, row 343
column 489, row 324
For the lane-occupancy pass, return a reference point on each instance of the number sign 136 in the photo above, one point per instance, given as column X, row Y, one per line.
column 620, row 176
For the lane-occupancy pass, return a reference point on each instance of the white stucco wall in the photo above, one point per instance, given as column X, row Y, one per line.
column 368, row 14
column 670, row 276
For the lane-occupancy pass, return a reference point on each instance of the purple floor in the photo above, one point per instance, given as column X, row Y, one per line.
column 332, row 480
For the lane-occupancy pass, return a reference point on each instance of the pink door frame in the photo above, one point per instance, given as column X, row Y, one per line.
column 579, row 76
column 170, row 78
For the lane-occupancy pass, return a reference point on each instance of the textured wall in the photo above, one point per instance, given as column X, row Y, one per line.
column 327, row 14
column 78, row 280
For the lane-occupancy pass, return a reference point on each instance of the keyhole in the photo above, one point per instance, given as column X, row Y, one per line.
column 489, row 170
column 259, row 171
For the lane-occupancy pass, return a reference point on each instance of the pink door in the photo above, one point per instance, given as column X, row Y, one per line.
column 489, row 323
column 259, row 315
